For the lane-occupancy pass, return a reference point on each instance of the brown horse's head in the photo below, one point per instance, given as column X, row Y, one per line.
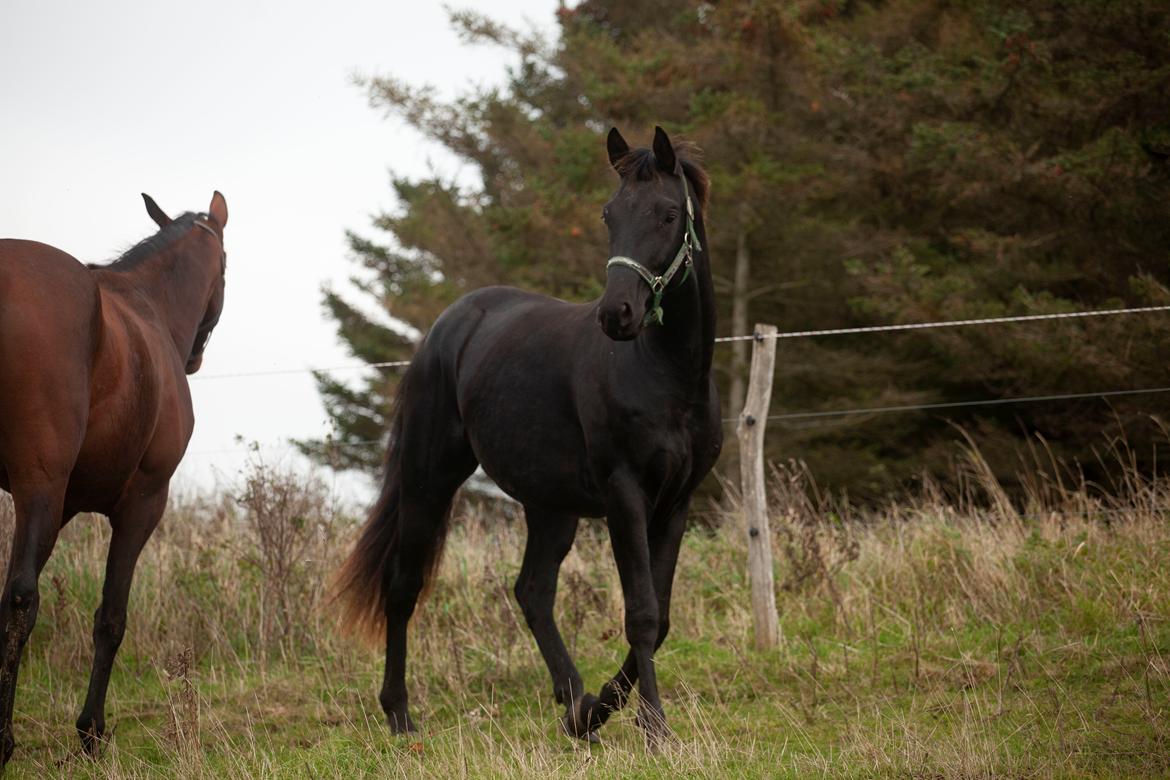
column 203, row 244
column 651, row 234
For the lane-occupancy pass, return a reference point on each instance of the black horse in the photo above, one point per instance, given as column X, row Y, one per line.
column 570, row 419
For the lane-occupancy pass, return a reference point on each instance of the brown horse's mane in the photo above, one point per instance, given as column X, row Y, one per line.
column 152, row 245
column 641, row 164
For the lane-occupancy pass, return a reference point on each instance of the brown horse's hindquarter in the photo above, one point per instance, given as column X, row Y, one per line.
column 47, row 347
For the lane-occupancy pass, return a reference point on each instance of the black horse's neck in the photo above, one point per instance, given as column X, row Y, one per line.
column 686, row 337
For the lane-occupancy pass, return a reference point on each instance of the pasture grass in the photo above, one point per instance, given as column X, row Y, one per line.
column 944, row 636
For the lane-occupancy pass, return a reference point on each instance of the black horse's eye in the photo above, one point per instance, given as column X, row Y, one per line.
column 669, row 218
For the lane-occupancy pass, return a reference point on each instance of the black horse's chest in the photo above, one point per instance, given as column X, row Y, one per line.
column 661, row 445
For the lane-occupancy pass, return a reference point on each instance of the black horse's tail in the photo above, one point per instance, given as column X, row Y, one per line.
column 362, row 581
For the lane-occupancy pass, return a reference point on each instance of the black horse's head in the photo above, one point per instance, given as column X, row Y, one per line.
column 651, row 232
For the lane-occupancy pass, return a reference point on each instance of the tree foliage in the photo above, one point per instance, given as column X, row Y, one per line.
column 894, row 161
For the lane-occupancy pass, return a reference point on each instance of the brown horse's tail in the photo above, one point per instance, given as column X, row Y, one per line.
column 361, row 582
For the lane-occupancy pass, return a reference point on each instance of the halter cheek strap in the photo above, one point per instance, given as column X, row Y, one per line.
column 684, row 258
column 223, row 252
column 208, row 228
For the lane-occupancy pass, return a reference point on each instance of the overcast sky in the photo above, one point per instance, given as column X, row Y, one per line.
column 102, row 101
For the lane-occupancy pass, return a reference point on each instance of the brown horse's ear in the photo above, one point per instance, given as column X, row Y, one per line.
column 218, row 210
column 617, row 146
column 158, row 215
column 664, row 151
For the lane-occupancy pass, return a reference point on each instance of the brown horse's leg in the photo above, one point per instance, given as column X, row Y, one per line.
column 38, row 519
column 664, row 549
column 550, row 536
column 132, row 524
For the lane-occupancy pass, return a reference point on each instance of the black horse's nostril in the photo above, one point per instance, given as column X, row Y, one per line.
column 618, row 320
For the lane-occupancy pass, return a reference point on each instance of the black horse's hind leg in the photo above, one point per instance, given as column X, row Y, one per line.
column 38, row 519
column 550, row 536
column 132, row 525
column 421, row 521
column 664, row 543
column 405, row 582
column 436, row 459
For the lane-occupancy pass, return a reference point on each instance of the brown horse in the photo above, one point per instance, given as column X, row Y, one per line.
column 95, row 413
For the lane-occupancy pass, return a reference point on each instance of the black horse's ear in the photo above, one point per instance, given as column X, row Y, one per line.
column 158, row 215
column 617, row 146
column 664, row 151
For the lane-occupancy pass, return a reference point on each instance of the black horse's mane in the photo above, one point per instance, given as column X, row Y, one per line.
column 152, row 245
column 643, row 166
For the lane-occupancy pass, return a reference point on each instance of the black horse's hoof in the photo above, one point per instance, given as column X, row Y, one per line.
column 400, row 723
column 592, row 737
column 92, row 737
column 653, row 725
column 7, row 746
column 576, row 722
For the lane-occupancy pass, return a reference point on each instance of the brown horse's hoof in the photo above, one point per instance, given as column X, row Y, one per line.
column 576, row 720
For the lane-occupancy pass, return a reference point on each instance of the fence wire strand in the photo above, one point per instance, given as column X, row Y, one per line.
column 318, row 370
column 957, row 404
column 800, row 334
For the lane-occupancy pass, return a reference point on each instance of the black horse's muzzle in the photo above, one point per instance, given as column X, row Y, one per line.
column 618, row 322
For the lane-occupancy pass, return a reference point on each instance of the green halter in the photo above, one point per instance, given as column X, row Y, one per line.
column 684, row 257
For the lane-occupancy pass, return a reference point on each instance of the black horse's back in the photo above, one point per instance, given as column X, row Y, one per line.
column 512, row 357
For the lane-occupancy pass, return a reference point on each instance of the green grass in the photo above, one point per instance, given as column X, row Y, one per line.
column 929, row 640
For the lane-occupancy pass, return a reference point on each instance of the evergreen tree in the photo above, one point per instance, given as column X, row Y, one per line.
column 871, row 162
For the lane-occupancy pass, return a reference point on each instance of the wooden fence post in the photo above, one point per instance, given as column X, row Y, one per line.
column 750, row 430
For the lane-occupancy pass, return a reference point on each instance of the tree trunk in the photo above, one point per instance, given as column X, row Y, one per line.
column 739, row 327
column 739, row 319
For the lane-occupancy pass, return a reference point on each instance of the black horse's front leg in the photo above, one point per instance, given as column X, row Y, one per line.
column 665, row 540
column 628, row 513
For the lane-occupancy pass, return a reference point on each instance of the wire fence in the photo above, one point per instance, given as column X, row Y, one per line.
column 812, row 414
column 310, row 370
column 959, row 404
column 800, row 334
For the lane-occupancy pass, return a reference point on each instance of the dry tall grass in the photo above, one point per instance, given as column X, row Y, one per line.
column 945, row 635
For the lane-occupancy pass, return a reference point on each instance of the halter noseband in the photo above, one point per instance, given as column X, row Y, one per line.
column 683, row 258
